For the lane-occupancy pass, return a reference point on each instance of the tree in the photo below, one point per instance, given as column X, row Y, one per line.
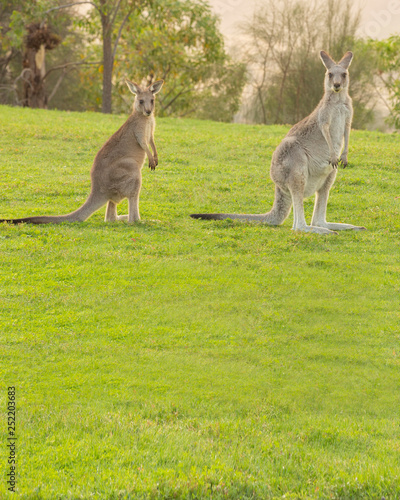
column 40, row 38
column 36, row 17
column 113, row 17
column 28, row 31
column 284, row 40
column 8, row 50
column 180, row 42
column 220, row 99
column 387, row 75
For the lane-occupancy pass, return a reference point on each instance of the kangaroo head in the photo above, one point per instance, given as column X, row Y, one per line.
column 337, row 76
column 144, row 100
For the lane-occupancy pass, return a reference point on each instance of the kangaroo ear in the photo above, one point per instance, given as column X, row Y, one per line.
column 156, row 86
column 345, row 61
column 133, row 87
column 326, row 59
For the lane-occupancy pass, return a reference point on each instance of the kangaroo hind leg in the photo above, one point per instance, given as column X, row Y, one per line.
column 134, row 215
column 133, row 201
column 296, row 184
column 127, row 181
column 111, row 212
column 280, row 209
column 320, row 207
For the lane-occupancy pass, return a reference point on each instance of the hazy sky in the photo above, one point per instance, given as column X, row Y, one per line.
column 381, row 18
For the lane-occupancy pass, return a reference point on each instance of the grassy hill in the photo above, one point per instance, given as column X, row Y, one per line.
column 177, row 358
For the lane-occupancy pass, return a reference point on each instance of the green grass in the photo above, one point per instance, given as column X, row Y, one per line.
column 178, row 358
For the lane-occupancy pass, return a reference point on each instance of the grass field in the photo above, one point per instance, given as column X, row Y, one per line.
column 178, row 358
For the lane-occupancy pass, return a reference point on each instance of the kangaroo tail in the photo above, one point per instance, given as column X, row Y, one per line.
column 280, row 210
column 93, row 203
column 248, row 217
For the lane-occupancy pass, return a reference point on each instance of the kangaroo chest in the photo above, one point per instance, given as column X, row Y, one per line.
column 339, row 116
column 146, row 131
column 141, row 129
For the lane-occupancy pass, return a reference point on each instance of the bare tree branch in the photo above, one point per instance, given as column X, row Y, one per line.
column 22, row 77
column 116, row 9
column 179, row 94
column 120, row 32
column 66, row 65
column 56, row 86
column 71, row 5
column 382, row 97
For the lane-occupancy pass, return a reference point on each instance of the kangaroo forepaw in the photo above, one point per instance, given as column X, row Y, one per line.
column 334, row 162
column 343, row 161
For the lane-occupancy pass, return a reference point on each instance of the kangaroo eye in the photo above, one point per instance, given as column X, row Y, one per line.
column 344, row 75
column 152, row 101
column 330, row 75
column 141, row 101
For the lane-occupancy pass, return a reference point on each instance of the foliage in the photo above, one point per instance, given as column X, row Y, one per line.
column 16, row 18
column 108, row 20
column 286, row 75
column 179, row 42
column 220, row 98
column 12, row 32
column 387, row 71
column 177, row 358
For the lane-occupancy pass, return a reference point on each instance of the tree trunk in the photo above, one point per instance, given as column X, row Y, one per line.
column 108, row 63
column 34, row 90
column 38, row 40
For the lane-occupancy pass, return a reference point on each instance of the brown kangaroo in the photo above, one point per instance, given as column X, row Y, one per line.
column 116, row 172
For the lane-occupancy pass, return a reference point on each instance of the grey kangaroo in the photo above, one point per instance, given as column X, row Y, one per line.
column 306, row 160
column 116, row 171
